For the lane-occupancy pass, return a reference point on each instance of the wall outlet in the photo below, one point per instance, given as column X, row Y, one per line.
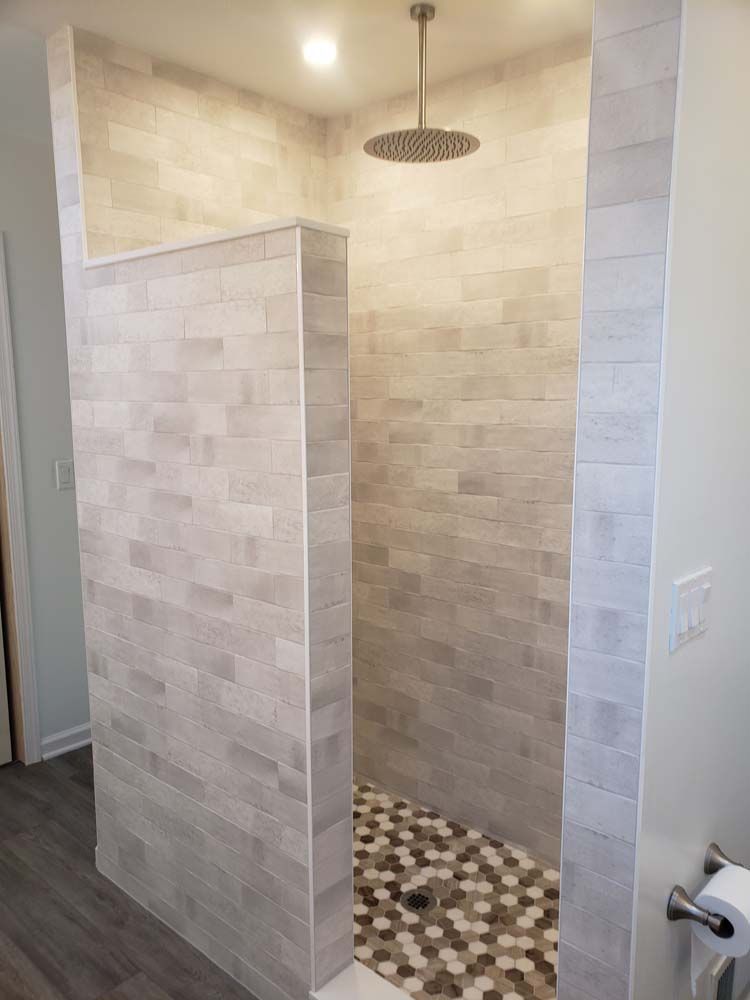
column 64, row 475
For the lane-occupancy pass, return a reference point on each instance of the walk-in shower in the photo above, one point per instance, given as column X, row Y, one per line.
column 326, row 479
column 464, row 314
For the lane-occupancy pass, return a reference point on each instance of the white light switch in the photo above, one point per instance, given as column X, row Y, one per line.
column 689, row 615
column 64, row 474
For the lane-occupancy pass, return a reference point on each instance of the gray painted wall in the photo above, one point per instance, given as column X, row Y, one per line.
column 28, row 216
column 702, row 792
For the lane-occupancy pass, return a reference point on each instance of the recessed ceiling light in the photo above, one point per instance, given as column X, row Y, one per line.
column 319, row 51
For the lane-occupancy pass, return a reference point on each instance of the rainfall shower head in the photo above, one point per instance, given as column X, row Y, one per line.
column 421, row 144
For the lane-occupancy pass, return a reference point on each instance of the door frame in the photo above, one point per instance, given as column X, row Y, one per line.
column 24, row 694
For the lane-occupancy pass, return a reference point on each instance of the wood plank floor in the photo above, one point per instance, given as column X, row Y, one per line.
column 67, row 933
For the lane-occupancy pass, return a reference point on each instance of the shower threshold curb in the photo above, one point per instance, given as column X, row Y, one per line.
column 357, row 982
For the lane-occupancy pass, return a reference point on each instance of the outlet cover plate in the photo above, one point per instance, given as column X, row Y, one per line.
column 689, row 612
column 64, row 475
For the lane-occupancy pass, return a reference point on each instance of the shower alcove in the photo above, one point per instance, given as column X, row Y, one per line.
column 247, row 566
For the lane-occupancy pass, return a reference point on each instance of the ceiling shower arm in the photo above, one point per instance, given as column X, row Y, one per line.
column 421, row 144
column 422, row 13
column 421, row 73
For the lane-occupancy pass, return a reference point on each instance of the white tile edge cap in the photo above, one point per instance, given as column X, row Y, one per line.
column 230, row 234
column 357, row 982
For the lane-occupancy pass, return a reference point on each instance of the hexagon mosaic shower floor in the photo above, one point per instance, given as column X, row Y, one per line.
column 492, row 932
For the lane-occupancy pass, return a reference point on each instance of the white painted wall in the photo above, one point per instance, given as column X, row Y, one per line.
column 28, row 215
column 697, row 761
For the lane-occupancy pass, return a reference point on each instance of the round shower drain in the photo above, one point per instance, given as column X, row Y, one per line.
column 418, row 900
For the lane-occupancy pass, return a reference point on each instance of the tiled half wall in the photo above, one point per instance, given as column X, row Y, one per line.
column 209, row 388
column 465, row 305
column 629, row 173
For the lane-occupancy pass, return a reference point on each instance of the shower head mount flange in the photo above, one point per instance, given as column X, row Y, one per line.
column 425, row 10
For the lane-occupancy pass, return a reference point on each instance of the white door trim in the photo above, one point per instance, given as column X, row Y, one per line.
column 19, row 556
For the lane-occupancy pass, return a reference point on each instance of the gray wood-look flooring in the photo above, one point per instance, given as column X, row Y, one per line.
column 66, row 933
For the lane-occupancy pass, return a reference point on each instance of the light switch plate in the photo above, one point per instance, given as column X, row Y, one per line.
column 64, row 476
column 689, row 613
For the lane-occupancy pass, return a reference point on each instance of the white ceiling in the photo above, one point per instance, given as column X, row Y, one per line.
column 256, row 44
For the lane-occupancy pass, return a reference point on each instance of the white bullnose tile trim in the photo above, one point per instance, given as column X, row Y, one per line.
column 68, row 739
column 306, row 603
column 358, row 983
column 230, row 234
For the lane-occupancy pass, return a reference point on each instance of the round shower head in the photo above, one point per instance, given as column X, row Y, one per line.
column 421, row 144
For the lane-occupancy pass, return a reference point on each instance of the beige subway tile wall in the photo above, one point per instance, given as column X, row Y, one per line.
column 169, row 154
column 464, row 303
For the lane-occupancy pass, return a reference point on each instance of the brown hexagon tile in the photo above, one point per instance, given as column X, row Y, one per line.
column 471, row 936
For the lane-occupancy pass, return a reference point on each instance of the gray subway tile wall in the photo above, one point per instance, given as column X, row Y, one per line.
column 460, row 595
column 466, row 302
column 212, row 460
column 465, row 307
column 635, row 59
column 168, row 154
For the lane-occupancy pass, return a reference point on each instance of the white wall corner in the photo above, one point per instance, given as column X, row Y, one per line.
column 19, row 557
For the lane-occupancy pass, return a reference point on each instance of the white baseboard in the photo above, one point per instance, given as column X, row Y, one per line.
column 69, row 739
